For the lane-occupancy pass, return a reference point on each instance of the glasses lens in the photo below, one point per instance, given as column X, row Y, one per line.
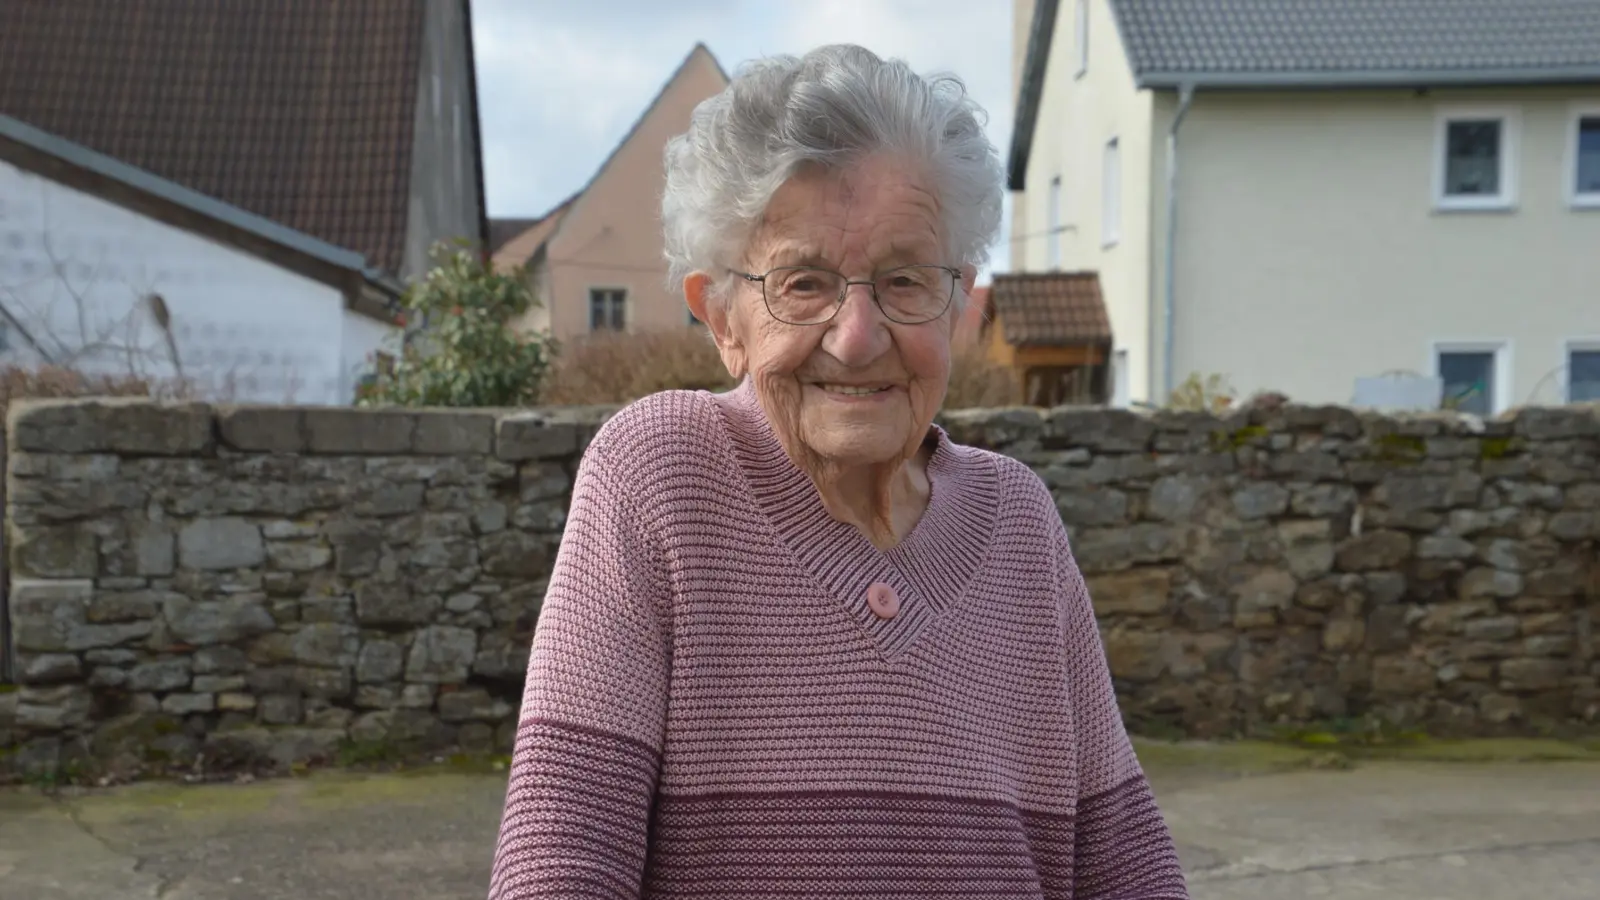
column 915, row 293
column 803, row 295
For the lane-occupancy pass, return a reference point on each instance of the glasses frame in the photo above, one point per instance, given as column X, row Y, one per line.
column 844, row 292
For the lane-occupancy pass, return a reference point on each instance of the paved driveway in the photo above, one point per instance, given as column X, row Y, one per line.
column 1396, row 830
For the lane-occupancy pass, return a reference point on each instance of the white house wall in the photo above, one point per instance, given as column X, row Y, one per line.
column 1078, row 115
column 1311, row 253
column 246, row 330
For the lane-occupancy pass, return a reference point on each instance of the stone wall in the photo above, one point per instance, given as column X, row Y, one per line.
column 289, row 583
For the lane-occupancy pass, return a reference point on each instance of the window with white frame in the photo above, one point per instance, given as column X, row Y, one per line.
column 1053, row 238
column 1111, row 195
column 1585, row 165
column 1475, row 159
column 608, row 309
column 1583, row 371
column 1121, row 380
column 1476, row 375
column 1082, row 45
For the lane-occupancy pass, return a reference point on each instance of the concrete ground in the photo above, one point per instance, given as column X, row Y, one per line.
column 1252, row 822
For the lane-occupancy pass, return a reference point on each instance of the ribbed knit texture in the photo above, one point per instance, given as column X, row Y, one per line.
column 714, row 710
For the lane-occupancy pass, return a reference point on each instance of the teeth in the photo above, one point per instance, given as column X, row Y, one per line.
column 850, row 391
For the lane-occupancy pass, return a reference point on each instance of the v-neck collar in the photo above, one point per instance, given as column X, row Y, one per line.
column 930, row 569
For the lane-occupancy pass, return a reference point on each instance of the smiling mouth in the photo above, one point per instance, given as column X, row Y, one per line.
column 852, row 390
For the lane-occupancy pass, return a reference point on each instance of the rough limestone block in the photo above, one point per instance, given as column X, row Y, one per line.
column 1099, row 429
column 44, row 613
column 222, row 621
column 339, row 431
column 442, row 433
column 441, row 654
column 54, row 551
column 263, row 429
column 107, row 425
column 153, row 548
column 221, row 544
column 523, row 436
column 49, row 668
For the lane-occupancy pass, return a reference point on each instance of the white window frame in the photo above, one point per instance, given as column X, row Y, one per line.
column 1510, row 141
column 588, row 309
column 1569, row 347
column 1590, row 199
column 1500, row 347
column 1111, row 193
column 1081, row 32
column 1121, row 381
column 1053, row 214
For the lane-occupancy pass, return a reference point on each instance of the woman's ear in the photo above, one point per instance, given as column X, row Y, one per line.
column 715, row 313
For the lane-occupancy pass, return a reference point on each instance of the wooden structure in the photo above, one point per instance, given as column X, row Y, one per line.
column 1052, row 331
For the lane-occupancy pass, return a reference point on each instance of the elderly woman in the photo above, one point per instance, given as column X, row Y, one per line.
column 798, row 643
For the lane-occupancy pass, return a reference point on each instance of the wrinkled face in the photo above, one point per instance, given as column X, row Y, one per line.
column 860, row 389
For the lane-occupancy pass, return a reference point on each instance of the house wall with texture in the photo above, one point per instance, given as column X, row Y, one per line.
column 444, row 203
column 269, row 585
column 73, row 271
column 1079, row 115
column 611, row 238
column 1311, row 252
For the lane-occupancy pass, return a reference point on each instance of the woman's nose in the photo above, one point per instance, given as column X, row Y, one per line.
column 859, row 333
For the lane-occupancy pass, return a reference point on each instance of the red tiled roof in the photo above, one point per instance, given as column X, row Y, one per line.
column 301, row 111
column 1052, row 309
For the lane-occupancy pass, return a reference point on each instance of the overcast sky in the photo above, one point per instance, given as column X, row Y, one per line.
column 561, row 81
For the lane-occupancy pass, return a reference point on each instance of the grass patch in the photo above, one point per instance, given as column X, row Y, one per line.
column 1227, row 441
column 1496, row 447
column 1494, row 750
column 1230, row 757
column 356, row 754
column 1347, row 733
column 1400, row 448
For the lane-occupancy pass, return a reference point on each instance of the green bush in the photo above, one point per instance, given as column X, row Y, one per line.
column 458, row 347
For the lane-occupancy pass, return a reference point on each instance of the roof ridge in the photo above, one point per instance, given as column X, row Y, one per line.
column 638, row 123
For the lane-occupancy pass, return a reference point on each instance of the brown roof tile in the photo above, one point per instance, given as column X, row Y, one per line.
column 1052, row 309
column 301, row 111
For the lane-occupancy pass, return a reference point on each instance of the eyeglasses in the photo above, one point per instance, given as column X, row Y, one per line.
column 807, row 295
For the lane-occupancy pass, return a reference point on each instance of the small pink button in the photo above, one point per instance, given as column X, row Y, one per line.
column 882, row 600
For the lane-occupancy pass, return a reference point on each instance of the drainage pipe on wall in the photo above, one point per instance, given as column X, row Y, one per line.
column 1185, row 98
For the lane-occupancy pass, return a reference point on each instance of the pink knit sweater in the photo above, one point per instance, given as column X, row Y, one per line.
column 731, row 694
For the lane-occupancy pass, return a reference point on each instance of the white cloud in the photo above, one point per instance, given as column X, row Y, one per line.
column 560, row 82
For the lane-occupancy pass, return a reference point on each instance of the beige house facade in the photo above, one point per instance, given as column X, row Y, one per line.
column 597, row 259
column 1421, row 200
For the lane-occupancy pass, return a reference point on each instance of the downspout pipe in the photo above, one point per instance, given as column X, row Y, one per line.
column 1185, row 98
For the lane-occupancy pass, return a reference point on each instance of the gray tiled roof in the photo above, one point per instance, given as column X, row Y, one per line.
column 1287, row 44
column 1346, row 41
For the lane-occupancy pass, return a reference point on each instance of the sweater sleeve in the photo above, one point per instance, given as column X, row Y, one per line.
column 1123, row 848
column 589, row 738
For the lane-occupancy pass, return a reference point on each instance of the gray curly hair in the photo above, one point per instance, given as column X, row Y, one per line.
column 830, row 107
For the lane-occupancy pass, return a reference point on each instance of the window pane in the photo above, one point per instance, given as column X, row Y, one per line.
column 617, row 323
column 1583, row 376
column 597, row 310
column 1472, row 158
column 1589, row 155
column 1468, row 381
